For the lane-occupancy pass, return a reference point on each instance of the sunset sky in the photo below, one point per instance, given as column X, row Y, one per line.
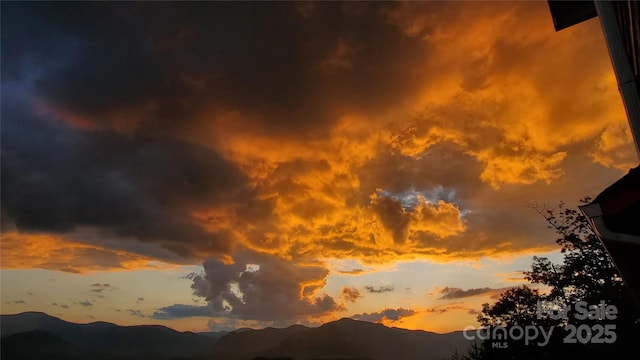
column 209, row 166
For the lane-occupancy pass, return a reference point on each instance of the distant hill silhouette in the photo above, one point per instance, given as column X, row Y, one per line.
column 41, row 344
column 248, row 343
column 124, row 342
column 342, row 339
column 40, row 336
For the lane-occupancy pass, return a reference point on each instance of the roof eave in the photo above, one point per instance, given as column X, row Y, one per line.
column 593, row 212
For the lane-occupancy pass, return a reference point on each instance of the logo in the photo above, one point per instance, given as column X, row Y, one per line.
column 597, row 333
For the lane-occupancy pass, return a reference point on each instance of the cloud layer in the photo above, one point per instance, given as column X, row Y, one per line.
column 386, row 314
column 457, row 293
column 378, row 132
column 274, row 290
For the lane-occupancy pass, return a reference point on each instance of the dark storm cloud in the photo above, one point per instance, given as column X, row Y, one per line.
column 181, row 311
column 389, row 314
column 166, row 63
column 392, row 216
column 140, row 83
column 57, row 178
column 456, row 293
column 278, row 291
column 443, row 164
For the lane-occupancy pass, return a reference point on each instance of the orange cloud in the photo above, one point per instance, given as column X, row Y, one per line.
column 522, row 170
column 39, row 251
column 471, row 110
column 612, row 148
column 507, row 81
column 350, row 294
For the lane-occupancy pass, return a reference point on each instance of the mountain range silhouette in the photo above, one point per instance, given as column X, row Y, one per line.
column 34, row 335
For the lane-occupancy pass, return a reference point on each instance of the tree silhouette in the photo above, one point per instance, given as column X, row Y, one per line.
column 587, row 272
column 583, row 300
column 516, row 306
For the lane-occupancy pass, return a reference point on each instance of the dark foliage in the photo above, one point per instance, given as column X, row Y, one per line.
column 569, row 299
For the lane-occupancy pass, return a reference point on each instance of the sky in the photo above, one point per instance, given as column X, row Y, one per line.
column 211, row 166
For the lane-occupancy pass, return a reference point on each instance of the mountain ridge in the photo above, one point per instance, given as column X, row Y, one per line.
column 343, row 338
column 127, row 342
